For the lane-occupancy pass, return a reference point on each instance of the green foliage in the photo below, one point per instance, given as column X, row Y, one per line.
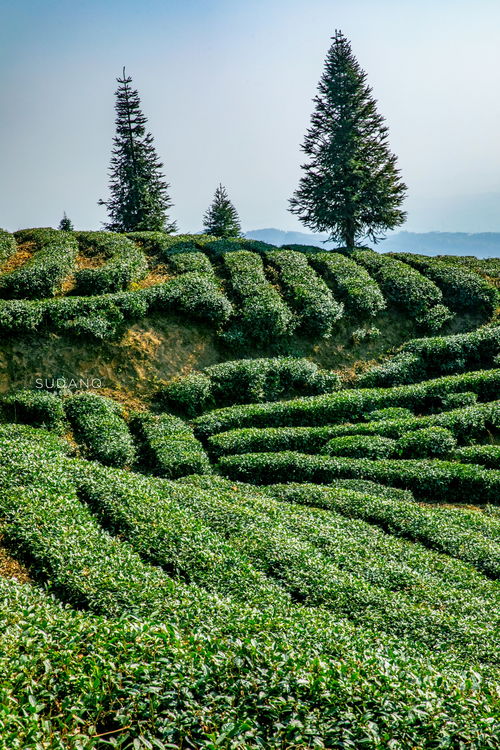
column 421, row 359
column 244, row 381
column 333, row 408
column 221, row 218
column 37, row 408
column 306, row 293
column 361, row 446
column 463, row 290
column 20, row 316
column 7, row 246
column 390, row 412
column 351, row 186
column 350, row 283
column 405, row 287
column 167, row 446
column 484, row 455
column 428, row 480
column 42, row 275
column 99, row 427
column 195, row 295
column 263, row 315
column 139, row 198
column 162, row 244
column 124, row 262
column 65, row 225
column 429, row 442
column 190, row 262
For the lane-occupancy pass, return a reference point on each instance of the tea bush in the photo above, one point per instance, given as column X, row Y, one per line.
column 361, row 446
column 190, row 262
column 37, row 408
column 430, row 442
column 484, row 455
column 7, row 246
column 124, row 263
column 350, row 283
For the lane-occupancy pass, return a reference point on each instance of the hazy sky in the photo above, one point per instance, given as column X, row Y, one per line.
column 227, row 87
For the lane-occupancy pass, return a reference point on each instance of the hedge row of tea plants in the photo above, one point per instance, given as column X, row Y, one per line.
column 103, row 317
column 263, row 315
column 430, row 442
column 124, row 262
column 407, row 288
column 246, row 380
column 37, row 408
column 351, row 568
column 306, row 292
column 42, row 275
column 162, row 244
column 484, row 455
column 167, row 446
column 100, row 428
column 462, row 290
column 294, row 659
column 350, row 283
column 432, row 481
column 352, row 404
column 190, row 262
column 421, row 359
column 469, row 536
column 7, row 246
column 165, row 533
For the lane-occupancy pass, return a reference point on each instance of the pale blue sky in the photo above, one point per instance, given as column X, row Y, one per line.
column 227, row 87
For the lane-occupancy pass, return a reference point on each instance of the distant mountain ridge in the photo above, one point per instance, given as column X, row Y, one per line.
column 482, row 245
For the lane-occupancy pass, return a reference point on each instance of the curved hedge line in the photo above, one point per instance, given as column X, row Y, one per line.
column 306, row 292
column 484, row 455
column 361, row 446
column 346, row 405
column 99, row 427
column 190, row 262
column 405, row 287
column 263, row 314
column 462, row 289
column 37, row 408
column 421, row 359
column 432, row 481
column 7, row 246
column 167, row 445
column 350, row 283
column 42, row 275
column 125, row 263
column 246, row 380
column 429, row 442
column 162, row 244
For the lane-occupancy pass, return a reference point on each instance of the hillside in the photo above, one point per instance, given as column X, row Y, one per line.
column 274, row 523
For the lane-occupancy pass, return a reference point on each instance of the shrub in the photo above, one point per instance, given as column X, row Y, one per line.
column 350, row 283
column 306, row 293
column 462, row 290
column 36, row 408
column 124, row 262
column 333, row 408
column 442, row 481
column 42, row 275
column 193, row 262
column 162, row 244
column 366, row 487
column 167, row 445
column 195, row 295
column 484, row 455
column 456, row 400
column 20, row 316
column 391, row 412
column 404, row 286
column 246, row 380
column 100, row 428
column 7, row 246
column 360, row 446
column 421, row 359
column 263, row 314
column 430, row 442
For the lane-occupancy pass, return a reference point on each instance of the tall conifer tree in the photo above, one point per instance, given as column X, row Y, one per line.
column 66, row 224
column 351, row 187
column 139, row 194
column 221, row 218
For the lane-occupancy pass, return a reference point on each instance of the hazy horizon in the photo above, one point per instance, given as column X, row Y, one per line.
column 227, row 88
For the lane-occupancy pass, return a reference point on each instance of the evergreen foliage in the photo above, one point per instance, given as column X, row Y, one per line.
column 139, row 194
column 221, row 218
column 66, row 225
column 351, row 187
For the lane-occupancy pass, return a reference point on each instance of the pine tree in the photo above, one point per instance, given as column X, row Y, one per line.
column 351, row 187
column 221, row 218
column 139, row 194
column 65, row 224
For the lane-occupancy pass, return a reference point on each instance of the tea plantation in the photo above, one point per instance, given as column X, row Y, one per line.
column 266, row 550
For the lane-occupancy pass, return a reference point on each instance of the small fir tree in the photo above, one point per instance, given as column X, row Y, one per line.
column 221, row 218
column 139, row 194
column 351, row 187
column 65, row 224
